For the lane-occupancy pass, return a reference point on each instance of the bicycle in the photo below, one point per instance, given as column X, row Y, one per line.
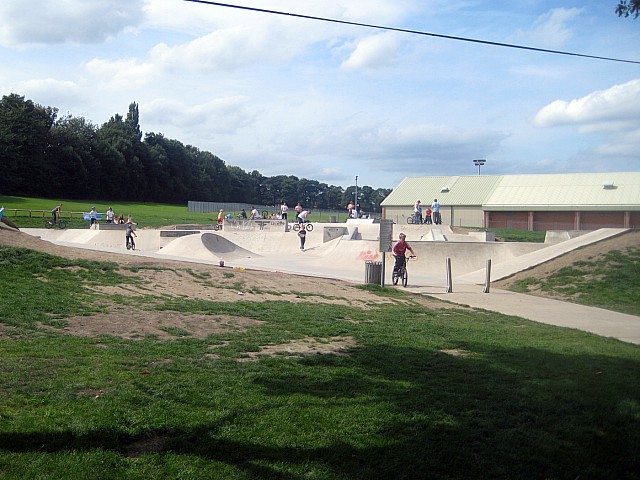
column 50, row 223
column 307, row 226
column 402, row 274
column 131, row 245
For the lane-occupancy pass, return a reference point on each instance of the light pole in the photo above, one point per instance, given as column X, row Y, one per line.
column 355, row 203
column 478, row 163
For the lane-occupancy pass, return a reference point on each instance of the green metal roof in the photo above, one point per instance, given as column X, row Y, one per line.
column 574, row 191
column 453, row 190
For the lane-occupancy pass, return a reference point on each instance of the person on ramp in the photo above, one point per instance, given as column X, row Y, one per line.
column 399, row 250
column 129, row 234
column 303, row 236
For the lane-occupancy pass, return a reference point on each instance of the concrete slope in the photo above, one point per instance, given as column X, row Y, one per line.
column 506, row 268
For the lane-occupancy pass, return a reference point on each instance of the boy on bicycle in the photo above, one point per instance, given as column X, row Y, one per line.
column 399, row 250
column 129, row 233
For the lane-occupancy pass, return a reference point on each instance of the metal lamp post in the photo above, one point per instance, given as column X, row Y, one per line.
column 478, row 163
column 355, row 203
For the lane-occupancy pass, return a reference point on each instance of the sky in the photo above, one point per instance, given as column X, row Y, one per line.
column 328, row 101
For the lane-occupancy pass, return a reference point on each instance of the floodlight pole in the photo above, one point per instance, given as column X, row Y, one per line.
column 479, row 163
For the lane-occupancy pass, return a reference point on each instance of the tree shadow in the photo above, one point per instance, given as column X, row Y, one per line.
column 521, row 413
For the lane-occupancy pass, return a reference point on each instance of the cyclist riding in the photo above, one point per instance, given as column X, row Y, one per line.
column 399, row 250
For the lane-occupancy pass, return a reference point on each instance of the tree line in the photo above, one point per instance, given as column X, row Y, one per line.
column 42, row 155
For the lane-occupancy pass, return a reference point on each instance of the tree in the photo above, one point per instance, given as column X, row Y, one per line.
column 626, row 8
column 24, row 136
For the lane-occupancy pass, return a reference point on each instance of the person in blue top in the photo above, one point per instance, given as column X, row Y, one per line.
column 435, row 207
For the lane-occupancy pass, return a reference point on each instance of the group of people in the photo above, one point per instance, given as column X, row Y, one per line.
column 111, row 218
column 429, row 212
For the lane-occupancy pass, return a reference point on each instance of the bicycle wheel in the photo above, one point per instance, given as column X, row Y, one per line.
column 48, row 224
column 309, row 227
column 410, row 220
column 405, row 277
column 62, row 224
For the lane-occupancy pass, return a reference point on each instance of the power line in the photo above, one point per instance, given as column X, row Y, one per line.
column 415, row 32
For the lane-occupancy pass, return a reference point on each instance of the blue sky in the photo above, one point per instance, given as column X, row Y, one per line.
column 291, row 96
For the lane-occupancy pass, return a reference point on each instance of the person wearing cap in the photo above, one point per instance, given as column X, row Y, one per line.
column 399, row 250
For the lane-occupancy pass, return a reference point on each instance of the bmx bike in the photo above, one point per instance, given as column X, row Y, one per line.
column 131, row 245
column 307, row 226
column 50, row 223
column 401, row 274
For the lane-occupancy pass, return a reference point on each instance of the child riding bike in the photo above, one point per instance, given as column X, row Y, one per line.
column 399, row 250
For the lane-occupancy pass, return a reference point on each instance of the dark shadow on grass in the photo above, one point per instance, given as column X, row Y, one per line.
column 517, row 414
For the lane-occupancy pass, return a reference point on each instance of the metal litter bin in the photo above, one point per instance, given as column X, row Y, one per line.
column 373, row 272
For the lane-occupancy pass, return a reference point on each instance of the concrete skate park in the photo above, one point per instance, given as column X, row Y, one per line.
column 345, row 251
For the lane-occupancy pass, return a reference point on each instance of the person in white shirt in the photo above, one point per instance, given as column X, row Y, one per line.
column 110, row 215
column 254, row 214
column 302, row 216
column 284, row 209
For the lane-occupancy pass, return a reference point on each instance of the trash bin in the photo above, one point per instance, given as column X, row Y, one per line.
column 373, row 272
column 333, row 219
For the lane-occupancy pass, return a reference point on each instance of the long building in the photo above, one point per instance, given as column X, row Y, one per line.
column 571, row 201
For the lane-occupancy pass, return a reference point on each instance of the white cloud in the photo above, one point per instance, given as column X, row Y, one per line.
column 374, row 52
column 225, row 49
column 221, row 115
column 551, row 30
column 76, row 21
column 121, row 73
column 598, row 110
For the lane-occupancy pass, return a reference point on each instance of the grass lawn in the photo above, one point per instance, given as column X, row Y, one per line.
column 145, row 214
column 449, row 393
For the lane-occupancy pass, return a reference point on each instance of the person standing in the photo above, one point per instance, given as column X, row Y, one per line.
column 417, row 212
column 284, row 211
column 435, row 206
column 399, row 250
column 220, row 216
column 302, row 234
column 110, row 215
column 243, row 214
column 298, row 209
column 93, row 217
column 427, row 215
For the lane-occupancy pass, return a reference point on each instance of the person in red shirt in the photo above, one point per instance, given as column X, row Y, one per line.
column 399, row 250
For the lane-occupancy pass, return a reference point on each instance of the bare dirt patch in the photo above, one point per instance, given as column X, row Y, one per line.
column 189, row 281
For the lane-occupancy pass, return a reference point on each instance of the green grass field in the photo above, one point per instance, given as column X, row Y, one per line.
column 145, row 214
column 449, row 393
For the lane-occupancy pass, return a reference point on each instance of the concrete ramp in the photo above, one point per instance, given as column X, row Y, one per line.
column 529, row 260
column 222, row 247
